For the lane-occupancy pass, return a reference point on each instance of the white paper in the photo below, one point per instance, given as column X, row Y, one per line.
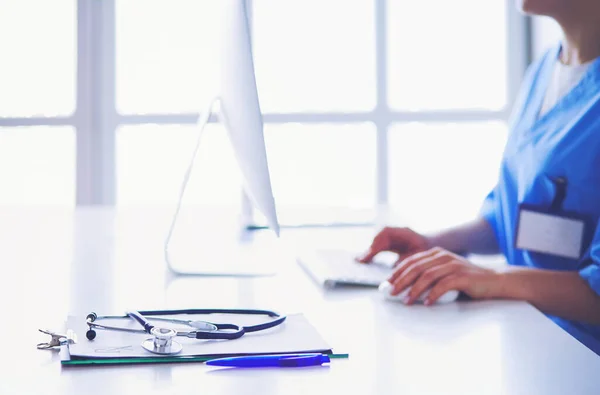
column 294, row 335
column 550, row 234
column 240, row 110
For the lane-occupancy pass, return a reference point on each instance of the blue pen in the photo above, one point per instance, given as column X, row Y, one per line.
column 284, row 360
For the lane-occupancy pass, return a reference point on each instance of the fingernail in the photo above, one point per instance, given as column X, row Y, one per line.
column 406, row 299
column 427, row 302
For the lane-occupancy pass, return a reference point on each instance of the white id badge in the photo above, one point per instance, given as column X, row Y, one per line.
column 550, row 233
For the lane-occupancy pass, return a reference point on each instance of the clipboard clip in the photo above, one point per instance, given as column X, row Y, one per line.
column 56, row 339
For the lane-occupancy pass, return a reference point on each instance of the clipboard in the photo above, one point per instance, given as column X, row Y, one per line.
column 296, row 335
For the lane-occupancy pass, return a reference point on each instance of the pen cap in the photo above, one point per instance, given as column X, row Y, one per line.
column 299, row 361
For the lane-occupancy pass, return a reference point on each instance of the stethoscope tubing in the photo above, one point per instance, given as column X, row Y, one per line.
column 236, row 330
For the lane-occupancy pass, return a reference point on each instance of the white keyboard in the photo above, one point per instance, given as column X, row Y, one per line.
column 331, row 268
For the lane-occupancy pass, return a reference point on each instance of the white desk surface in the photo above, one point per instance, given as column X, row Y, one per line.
column 59, row 262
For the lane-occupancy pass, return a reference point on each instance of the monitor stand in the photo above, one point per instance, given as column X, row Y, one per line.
column 226, row 255
column 236, row 261
column 223, row 247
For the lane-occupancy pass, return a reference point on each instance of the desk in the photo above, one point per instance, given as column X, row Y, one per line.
column 59, row 262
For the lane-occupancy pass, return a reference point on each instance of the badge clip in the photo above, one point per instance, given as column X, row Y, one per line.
column 560, row 184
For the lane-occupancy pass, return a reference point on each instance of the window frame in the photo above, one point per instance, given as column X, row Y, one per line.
column 96, row 119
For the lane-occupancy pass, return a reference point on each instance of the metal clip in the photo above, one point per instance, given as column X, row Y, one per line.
column 56, row 338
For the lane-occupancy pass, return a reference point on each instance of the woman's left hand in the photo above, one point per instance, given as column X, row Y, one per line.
column 442, row 271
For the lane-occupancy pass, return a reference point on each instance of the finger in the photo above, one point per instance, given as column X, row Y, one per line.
column 431, row 276
column 454, row 281
column 403, row 257
column 411, row 274
column 368, row 255
column 411, row 260
column 381, row 242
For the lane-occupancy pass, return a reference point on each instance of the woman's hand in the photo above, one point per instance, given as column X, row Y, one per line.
column 443, row 271
column 402, row 241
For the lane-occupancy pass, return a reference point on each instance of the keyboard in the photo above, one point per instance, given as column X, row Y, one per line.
column 333, row 268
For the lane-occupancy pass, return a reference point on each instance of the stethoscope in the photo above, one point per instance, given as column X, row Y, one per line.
column 163, row 341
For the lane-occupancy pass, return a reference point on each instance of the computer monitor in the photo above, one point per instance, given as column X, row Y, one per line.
column 240, row 109
column 240, row 112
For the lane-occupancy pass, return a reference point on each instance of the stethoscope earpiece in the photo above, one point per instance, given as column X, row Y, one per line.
column 91, row 317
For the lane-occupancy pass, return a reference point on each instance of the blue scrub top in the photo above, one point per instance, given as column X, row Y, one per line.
column 564, row 142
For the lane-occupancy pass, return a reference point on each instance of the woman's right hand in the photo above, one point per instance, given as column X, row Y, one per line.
column 403, row 241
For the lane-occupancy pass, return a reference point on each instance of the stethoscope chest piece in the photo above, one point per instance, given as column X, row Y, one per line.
column 162, row 343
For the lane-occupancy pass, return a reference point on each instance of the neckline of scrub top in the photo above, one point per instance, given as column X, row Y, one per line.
column 590, row 78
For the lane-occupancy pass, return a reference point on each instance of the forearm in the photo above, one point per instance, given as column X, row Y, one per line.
column 475, row 237
column 563, row 294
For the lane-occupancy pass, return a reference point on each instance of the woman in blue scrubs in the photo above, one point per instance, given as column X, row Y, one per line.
column 544, row 213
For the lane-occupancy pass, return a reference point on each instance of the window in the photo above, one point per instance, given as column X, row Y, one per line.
column 441, row 172
column 37, row 165
column 165, row 56
column 365, row 102
column 315, row 56
column 436, row 62
column 37, row 102
column 37, row 77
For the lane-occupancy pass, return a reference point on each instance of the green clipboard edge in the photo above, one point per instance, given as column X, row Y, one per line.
column 131, row 361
